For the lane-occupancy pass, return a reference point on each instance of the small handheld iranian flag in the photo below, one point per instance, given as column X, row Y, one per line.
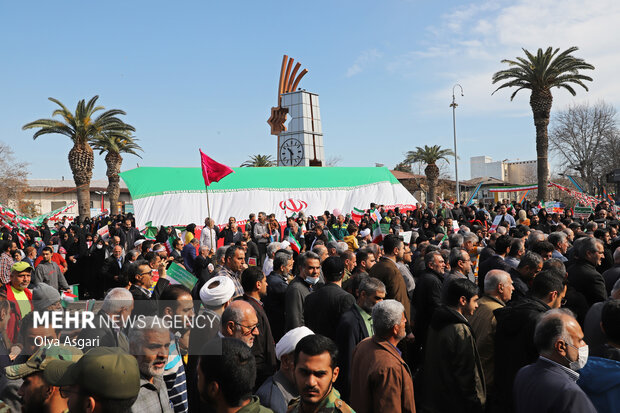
column 168, row 245
column 377, row 236
column 294, row 243
column 357, row 214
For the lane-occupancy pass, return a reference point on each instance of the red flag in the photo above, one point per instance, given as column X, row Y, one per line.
column 212, row 171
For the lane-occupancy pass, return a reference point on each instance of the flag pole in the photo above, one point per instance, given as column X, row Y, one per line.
column 209, row 214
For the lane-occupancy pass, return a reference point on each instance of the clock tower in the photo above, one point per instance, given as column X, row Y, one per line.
column 300, row 143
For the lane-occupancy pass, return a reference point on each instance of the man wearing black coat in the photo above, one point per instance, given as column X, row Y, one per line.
column 112, row 269
column 495, row 261
column 145, row 301
column 277, row 283
column 549, row 385
column 131, row 234
column 582, row 275
column 514, row 336
column 354, row 326
column 254, row 285
column 323, row 308
column 427, row 295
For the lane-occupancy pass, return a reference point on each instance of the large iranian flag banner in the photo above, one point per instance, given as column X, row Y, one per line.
column 173, row 196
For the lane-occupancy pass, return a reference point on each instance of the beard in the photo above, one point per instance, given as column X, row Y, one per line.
column 36, row 401
column 149, row 369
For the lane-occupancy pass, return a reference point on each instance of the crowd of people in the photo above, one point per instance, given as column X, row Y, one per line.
column 487, row 308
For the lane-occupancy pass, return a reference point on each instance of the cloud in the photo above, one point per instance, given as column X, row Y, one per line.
column 363, row 60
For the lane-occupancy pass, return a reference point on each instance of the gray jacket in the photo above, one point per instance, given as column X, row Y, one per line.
column 50, row 273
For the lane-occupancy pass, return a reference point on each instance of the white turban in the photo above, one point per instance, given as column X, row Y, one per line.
column 284, row 245
column 217, row 291
column 365, row 232
column 289, row 341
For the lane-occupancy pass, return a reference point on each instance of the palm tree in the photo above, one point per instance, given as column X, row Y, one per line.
column 258, row 161
column 429, row 155
column 81, row 128
column 540, row 73
column 114, row 145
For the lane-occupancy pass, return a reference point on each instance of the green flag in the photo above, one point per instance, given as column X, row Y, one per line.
column 178, row 275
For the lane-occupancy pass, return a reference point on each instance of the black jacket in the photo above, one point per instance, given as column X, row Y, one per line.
column 426, row 299
column 350, row 331
column 323, row 308
column 494, row 262
column 585, row 279
column 110, row 270
column 514, row 343
column 143, row 305
column 264, row 348
column 274, row 304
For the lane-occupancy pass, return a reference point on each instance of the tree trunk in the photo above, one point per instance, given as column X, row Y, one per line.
column 81, row 161
column 432, row 177
column 541, row 101
column 114, row 160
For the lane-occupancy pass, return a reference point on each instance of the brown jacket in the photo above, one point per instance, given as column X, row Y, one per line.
column 395, row 287
column 380, row 379
column 483, row 324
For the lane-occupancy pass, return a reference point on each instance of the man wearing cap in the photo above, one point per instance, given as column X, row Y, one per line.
column 105, row 379
column 49, row 272
column 278, row 390
column 150, row 346
column 46, row 298
column 37, row 394
column 19, row 295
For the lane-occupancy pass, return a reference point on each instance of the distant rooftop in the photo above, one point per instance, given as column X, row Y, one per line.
column 53, row 185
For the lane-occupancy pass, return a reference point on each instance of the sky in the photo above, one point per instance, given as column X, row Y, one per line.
column 204, row 74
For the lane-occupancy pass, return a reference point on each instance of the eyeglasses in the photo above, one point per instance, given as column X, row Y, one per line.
column 146, row 273
column 251, row 328
column 66, row 391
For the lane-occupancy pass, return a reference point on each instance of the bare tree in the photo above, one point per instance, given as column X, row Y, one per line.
column 333, row 160
column 586, row 139
column 13, row 176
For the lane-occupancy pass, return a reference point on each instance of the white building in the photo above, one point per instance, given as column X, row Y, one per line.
column 514, row 172
column 51, row 194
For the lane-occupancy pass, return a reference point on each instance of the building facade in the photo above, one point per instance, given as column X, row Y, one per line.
column 516, row 172
column 50, row 194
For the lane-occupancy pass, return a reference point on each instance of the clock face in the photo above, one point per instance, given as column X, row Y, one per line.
column 291, row 152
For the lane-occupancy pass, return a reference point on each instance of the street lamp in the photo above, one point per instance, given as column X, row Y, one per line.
column 453, row 105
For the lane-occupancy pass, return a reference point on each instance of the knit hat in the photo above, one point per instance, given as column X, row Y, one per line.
column 44, row 295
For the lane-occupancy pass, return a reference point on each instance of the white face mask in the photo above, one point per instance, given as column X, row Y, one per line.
column 99, row 246
column 311, row 280
column 581, row 361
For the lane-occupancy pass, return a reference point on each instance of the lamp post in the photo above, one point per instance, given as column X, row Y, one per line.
column 102, row 193
column 453, row 105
